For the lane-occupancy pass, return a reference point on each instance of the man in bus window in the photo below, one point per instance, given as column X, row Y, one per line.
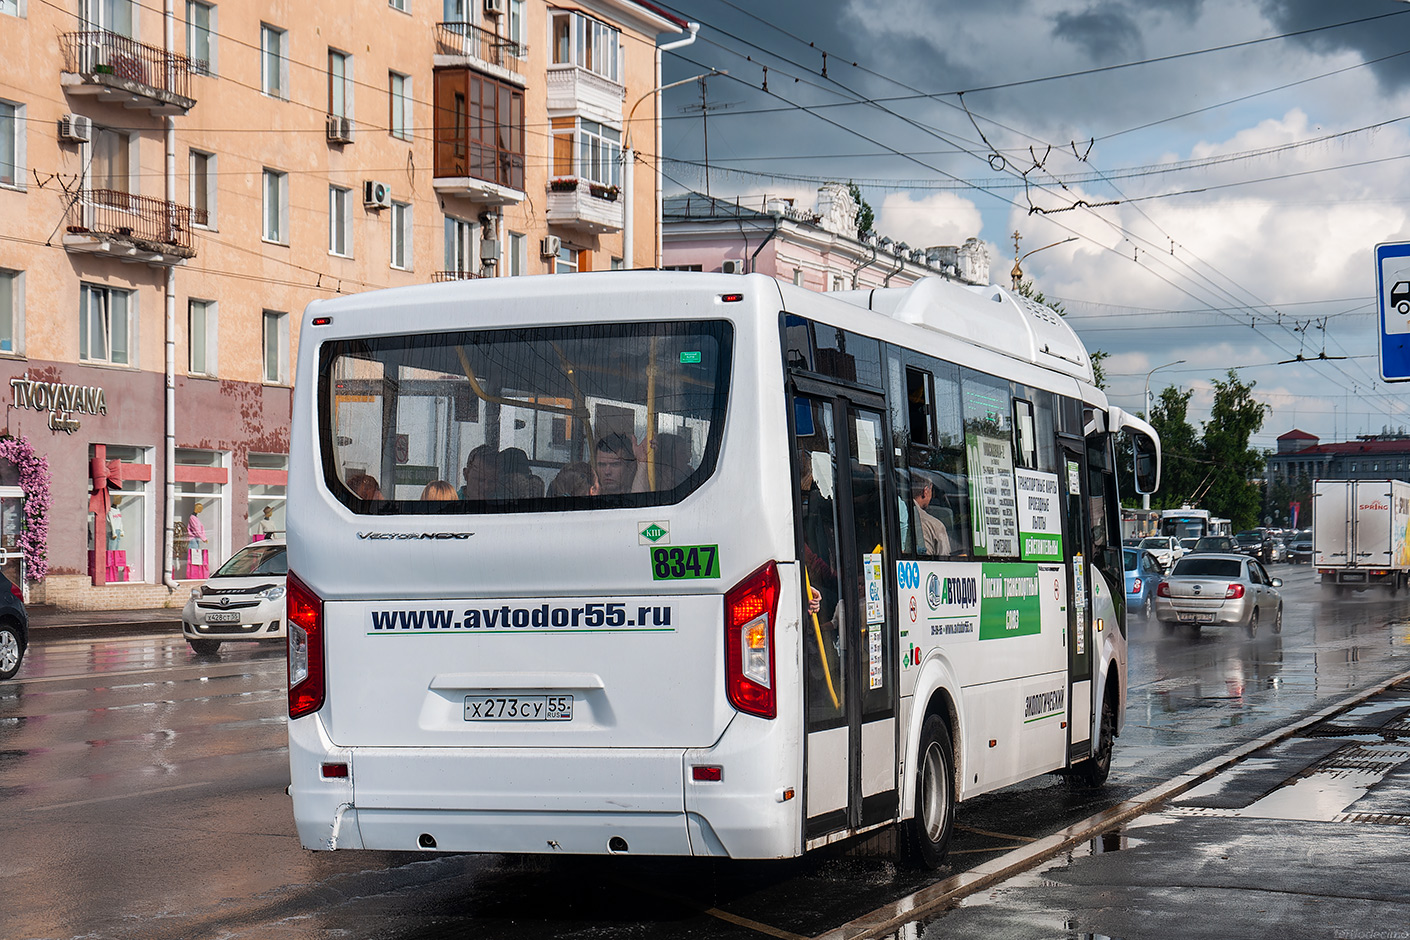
column 616, row 463
column 481, row 473
column 934, row 538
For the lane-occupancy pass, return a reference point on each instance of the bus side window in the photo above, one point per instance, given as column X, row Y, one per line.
column 920, row 407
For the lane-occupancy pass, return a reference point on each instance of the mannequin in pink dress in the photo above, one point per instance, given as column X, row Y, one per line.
column 198, row 559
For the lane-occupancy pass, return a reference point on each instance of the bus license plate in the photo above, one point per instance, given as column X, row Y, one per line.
column 518, row 708
column 223, row 616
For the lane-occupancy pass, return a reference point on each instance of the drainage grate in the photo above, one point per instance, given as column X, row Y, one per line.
column 1380, row 819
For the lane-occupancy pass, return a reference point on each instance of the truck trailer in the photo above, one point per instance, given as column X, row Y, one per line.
column 1359, row 534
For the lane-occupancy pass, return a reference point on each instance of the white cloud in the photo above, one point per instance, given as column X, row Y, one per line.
column 938, row 219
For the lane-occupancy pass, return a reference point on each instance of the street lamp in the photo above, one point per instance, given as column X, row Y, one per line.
column 629, row 162
column 1146, row 497
column 1017, row 272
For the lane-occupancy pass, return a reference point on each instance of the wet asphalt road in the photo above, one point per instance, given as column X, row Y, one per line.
column 143, row 789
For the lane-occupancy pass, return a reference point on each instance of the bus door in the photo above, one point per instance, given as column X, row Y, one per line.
column 1077, row 534
column 844, row 515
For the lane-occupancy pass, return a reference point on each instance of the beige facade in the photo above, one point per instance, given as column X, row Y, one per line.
column 226, row 163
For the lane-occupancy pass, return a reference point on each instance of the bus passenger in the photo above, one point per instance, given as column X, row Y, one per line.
column 576, row 479
column 672, row 462
column 616, row 463
column 934, row 537
column 438, row 489
column 481, row 473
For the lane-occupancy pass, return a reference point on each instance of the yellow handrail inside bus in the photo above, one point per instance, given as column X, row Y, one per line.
column 822, row 651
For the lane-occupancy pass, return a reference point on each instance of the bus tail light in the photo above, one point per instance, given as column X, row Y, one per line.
column 306, row 678
column 750, row 608
column 1162, row 589
column 1234, row 591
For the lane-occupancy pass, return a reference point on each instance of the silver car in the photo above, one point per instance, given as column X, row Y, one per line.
column 243, row 600
column 1219, row 589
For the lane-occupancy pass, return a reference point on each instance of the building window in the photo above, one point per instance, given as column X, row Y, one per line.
column 113, row 15
column 11, row 312
column 567, row 260
column 112, row 161
column 460, row 245
column 401, row 235
column 276, row 207
column 517, row 23
column 276, row 348
column 399, row 121
column 402, row 5
column 104, row 324
column 201, row 336
column 339, row 84
column 11, row 144
column 273, row 61
column 518, row 259
column 479, row 128
column 838, row 283
column 583, row 41
column 587, row 150
column 797, row 277
column 10, row 7
column 202, row 515
column 616, row 263
column 340, row 221
column 203, row 189
column 200, row 36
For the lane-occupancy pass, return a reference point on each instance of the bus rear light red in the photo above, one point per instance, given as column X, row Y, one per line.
column 306, row 672
column 707, row 772
column 750, row 609
column 335, row 771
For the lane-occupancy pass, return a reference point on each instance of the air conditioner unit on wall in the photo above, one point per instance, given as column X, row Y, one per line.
column 339, row 129
column 549, row 247
column 494, row 7
column 376, row 195
column 76, row 128
column 732, row 266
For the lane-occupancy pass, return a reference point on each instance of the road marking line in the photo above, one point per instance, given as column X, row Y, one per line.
column 997, row 835
column 117, row 796
column 753, row 924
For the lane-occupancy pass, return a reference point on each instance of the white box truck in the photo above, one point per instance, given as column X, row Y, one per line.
column 1359, row 533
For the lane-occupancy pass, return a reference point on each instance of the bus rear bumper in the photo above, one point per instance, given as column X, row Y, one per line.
column 524, row 801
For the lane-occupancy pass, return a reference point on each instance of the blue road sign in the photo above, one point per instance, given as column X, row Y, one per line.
column 1393, row 298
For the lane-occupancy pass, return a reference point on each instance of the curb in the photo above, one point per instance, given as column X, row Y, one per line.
column 927, row 900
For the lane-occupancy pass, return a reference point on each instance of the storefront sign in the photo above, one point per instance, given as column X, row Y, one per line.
column 60, row 400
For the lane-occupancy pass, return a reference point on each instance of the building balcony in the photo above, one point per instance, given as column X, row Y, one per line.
column 130, row 228
column 467, row 45
column 123, row 71
column 571, row 88
column 440, row 277
column 586, row 207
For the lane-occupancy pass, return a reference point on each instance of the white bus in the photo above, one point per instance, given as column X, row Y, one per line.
column 725, row 567
column 1189, row 523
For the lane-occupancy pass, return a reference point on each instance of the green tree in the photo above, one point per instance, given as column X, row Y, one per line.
column 1235, row 467
column 865, row 216
column 1183, row 467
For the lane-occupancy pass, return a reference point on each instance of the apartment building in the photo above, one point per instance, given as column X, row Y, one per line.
column 180, row 178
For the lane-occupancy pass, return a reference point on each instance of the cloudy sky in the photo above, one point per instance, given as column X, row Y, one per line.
column 1226, row 167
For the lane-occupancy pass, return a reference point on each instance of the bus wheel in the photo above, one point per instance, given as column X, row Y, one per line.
column 204, row 647
column 930, row 828
column 1093, row 772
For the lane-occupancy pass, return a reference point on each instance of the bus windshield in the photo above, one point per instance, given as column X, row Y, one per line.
column 545, row 419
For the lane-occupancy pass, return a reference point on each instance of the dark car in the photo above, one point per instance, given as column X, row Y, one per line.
column 1300, row 548
column 14, row 628
column 1215, row 543
column 1256, row 543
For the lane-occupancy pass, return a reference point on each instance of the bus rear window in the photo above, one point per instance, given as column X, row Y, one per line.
column 522, row 420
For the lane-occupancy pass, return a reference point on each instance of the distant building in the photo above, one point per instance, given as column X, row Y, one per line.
column 815, row 248
column 1384, row 456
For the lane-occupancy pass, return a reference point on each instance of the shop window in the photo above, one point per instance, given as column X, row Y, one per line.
column 129, row 524
column 268, row 476
column 202, row 513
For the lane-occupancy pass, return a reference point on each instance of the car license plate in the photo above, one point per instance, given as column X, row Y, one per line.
column 518, row 708
column 223, row 616
column 1196, row 618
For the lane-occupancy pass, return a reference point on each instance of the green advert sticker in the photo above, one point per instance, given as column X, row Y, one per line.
column 1009, row 604
column 685, row 562
column 690, row 357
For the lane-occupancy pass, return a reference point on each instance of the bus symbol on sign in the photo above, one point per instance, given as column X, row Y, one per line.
column 653, row 533
column 1400, row 298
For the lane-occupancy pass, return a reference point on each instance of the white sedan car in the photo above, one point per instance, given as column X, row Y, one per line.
column 243, row 600
column 1165, row 547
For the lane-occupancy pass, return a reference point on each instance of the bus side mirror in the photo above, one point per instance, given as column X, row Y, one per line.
column 1147, row 462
